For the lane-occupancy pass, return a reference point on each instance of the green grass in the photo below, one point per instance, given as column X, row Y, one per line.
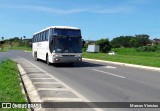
column 128, row 55
column 4, row 50
column 16, row 48
column 22, row 48
column 10, row 90
column 132, row 51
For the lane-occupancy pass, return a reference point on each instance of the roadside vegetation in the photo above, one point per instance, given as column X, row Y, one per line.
column 6, row 48
column 128, row 55
column 16, row 44
column 10, row 89
column 3, row 49
column 138, row 49
column 21, row 48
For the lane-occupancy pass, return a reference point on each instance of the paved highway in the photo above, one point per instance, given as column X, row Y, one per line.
column 102, row 82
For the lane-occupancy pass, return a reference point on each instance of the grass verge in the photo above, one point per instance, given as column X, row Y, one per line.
column 10, row 89
column 139, row 58
column 16, row 48
column 4, row 50
column 21, row 48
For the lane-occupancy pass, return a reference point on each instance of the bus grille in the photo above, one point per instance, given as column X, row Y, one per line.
column 68, row 55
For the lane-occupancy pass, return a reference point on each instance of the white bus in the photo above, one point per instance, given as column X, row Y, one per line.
column 58, row 44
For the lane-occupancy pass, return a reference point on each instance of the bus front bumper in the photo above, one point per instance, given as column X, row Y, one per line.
column 67, row 59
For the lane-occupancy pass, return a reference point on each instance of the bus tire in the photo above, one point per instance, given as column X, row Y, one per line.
column 47, row 60
column 35, row 56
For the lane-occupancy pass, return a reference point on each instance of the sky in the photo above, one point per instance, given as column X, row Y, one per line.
column 96, row 18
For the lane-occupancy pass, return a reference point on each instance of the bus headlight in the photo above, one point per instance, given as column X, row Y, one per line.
column 78, row 55
column 57, row 55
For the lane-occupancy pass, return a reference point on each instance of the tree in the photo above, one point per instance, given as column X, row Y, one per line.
column 2, row 38
column 83, row 42
column 104, row 45
column 122, row 41
column 15, row 39
column 133, row 42
column 142, row 40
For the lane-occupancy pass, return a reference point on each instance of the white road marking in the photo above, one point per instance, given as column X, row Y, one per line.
column 62, row 99
column 111, row 67
column 109, row 73
column 46, row 83
column 68, row 87
column 41, row 78
column 50, row 89
column 37, row 74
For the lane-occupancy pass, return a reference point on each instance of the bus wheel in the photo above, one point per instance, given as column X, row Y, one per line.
column 47, row 60
column 35, row 56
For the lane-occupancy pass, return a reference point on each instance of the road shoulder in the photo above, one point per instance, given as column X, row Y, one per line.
column 125, row 64
column 43, row 87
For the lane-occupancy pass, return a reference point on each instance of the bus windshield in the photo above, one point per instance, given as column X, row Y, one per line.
column 67, row 44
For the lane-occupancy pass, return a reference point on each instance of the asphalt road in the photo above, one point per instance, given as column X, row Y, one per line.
column 102, row 82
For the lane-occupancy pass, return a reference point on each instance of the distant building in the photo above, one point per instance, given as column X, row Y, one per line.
column 90, row 41
column 156, row 41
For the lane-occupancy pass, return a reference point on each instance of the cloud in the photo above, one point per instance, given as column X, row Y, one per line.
column 114, row 10
column 98, row 10
column 44, row 9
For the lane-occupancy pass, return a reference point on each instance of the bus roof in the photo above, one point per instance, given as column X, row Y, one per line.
column 58, row 27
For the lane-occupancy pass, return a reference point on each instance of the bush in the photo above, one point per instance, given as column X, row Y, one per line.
column 154, row 48
column 84, row 49
column 104, row 45
column 116, row 46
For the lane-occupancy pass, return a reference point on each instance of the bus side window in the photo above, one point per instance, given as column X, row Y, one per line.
column 38, row 38
column 47, row 35
column 33, row 38
column 43, row 36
